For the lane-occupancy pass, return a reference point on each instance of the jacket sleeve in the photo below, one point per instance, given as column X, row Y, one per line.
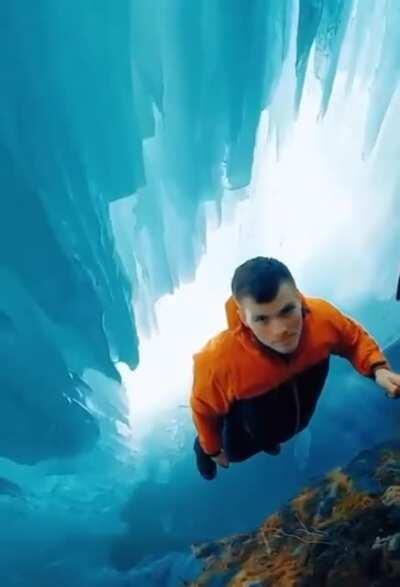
column 208, row 405
column 357, row 345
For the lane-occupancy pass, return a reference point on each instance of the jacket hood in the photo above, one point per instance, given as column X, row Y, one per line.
column 232, row 313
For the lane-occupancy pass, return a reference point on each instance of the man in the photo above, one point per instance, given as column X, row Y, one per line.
column 257, row 383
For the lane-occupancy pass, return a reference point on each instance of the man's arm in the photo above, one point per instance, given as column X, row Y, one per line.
column 361, row 349
column 209, row 428
column 209, row 403
column 208, row 425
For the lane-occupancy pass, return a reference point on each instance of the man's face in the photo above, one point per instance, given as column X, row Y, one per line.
column 276, row 324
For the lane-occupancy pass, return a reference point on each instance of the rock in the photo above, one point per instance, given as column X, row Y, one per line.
column 394, row 543
column 341, row 531
column 392, row 495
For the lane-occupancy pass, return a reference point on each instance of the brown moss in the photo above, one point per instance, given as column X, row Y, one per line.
column 339, row 481
column 355, row 502
column 281, row 570
column 271, row 524
column 303, row 504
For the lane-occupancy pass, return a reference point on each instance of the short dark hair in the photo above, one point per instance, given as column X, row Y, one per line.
column 260, row 279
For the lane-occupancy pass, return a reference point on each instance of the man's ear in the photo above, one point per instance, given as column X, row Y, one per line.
column 241, row 315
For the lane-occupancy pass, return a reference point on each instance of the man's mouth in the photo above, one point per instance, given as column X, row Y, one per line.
column 287, row 340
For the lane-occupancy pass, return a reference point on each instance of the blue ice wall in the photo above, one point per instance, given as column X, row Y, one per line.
column 69, row 145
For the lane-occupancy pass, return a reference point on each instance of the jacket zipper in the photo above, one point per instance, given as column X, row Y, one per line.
column 297, row 402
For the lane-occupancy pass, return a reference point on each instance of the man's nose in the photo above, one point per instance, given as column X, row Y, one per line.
column 277, row 329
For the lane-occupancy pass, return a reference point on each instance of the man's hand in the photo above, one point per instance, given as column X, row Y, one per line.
column 221, row 460
column 390, row 382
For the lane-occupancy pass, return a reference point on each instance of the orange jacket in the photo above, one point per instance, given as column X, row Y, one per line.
column 234, row 366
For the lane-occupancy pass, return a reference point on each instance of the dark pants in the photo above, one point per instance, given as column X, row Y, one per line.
column 257, row 424
column 239, row 441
